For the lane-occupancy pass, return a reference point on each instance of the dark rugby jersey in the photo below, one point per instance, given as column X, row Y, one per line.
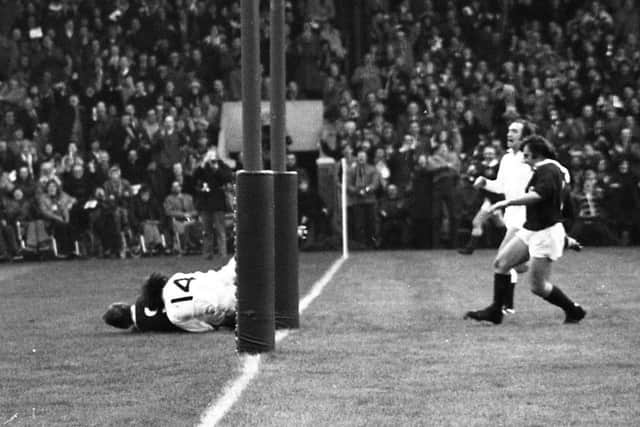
column 547, row 181
column 147, row 320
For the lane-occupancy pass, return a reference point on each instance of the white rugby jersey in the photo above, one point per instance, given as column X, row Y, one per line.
column 512, row 179
column 199, row 301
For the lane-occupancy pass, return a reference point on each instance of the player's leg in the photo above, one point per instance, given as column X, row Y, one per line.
column 220, row 230
column 513, row 253
column 546, row 246
column 476, row 231
column 541, row 286
column 513, row 273
column 208, row 234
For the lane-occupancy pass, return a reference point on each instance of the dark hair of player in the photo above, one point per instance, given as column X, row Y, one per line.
column 118, row 315
column 539, row 147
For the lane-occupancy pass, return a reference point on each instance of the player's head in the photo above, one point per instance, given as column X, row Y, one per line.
column 118, row 315
column 536, row 148
column 518, row 130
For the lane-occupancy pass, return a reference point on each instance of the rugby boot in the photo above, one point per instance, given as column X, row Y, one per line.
column 575, row 315
column 493, row 313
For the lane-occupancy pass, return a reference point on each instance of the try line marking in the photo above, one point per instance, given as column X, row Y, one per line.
column 232, row 391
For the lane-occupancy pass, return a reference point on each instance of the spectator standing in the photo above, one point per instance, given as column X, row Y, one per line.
column 622, row 201
column 367, row 77
column 118, row 194
column 420, row 204
column 312, row 214
column 70, row 123
column 166, row 146
column 445, row 167
column 401, row 164
column 212, row 178
column 363, row 181
column 394, row 214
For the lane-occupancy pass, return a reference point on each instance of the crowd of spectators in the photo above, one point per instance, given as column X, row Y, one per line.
column 111, row 111
column 439, row 83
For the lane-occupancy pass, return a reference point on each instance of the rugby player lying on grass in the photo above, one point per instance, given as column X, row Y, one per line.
column 191, row 302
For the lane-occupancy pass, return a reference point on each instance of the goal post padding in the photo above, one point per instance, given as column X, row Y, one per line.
column 286, row 249
column 255, row 231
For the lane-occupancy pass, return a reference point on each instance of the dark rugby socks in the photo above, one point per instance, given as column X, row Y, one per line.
column 501, row 283
column 508, row 294
column 557, row 297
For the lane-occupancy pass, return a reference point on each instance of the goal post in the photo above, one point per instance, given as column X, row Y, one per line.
column 255, row 326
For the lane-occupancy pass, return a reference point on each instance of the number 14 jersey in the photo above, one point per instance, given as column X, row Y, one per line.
column 200, row 301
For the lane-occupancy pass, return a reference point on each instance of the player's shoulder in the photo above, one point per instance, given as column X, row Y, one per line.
column 550, row 170
column 548, row 166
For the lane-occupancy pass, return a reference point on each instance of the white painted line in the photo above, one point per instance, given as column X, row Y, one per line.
column 232, row 391
column 318, row 287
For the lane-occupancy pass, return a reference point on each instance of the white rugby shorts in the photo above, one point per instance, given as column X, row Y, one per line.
column 545, row 243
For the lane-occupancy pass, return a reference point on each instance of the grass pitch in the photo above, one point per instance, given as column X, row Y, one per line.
column 385, row 344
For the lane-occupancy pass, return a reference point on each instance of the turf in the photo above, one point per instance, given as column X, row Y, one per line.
column 385, row 344
column 61, row 366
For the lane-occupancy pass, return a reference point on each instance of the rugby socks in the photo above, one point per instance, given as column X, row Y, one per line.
column 557, row 297
column 509, row 290
column 501, row 285
column 508, row 296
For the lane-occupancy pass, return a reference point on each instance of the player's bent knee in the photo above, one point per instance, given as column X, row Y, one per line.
column 521, row 268
column 538, row 291
column 501, row 266
column 539, row 287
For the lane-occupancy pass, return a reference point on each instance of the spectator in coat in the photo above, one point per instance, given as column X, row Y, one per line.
column 117, row 191
column 146, row 217
column 212, row 179
column 444, row 164
column 187, row 229
column 420, row 205
column 20, row 213
column 591, row 225
column 622, row 203
column 10, row 249
column 167, row 145
column 363, row 181
column 313, row 215
column 394, row 215
column 55, row 206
